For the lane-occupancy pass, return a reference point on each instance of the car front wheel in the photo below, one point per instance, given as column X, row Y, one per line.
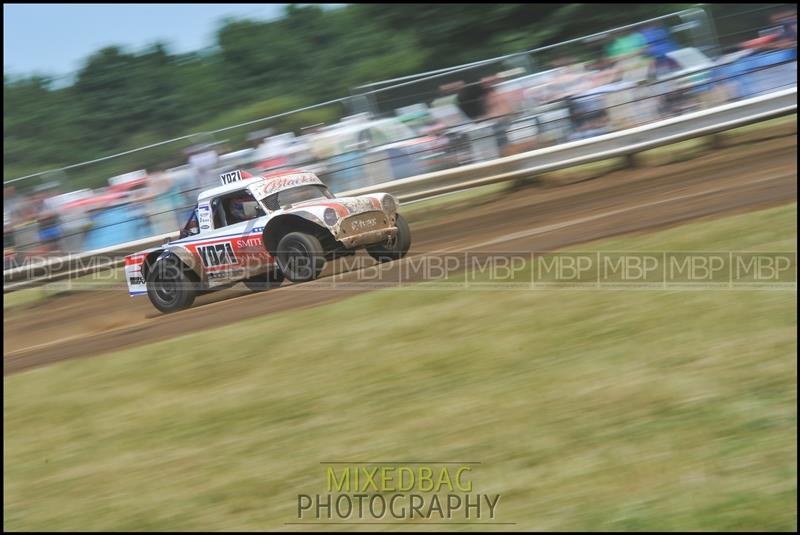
column 300, row 257
column 395, row 249
column 169, row 287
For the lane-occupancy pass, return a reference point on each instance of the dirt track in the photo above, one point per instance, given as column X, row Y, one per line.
column 744, row 177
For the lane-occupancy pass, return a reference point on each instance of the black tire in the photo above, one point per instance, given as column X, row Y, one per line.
column 265, row 281
column 169, row 286
column 397, row 248
column 300, row 257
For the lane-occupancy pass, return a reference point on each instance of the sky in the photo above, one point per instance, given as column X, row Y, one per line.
column 54, row 39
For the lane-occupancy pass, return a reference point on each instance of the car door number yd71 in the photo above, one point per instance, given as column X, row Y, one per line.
column 218, row 254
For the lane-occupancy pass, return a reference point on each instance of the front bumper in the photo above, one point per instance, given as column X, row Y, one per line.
column 366, row 228
column 369, row 238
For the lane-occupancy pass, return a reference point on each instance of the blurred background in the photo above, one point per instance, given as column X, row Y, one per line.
column 360, row 94
column 609, row 408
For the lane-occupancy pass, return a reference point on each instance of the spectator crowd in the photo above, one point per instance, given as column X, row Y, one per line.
column 633, row 76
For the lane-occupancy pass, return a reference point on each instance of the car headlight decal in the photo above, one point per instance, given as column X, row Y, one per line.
column 389, row 204
column 330, row 217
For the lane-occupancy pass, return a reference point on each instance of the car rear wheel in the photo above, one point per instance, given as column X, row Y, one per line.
column 395, row 249
column 169, row 286
column 265, row 281
column 300, row 257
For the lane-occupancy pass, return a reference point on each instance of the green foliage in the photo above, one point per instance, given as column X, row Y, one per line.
column 590, row 410
column 258, row 68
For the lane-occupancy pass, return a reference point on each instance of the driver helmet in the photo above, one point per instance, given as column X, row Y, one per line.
column 243, row 208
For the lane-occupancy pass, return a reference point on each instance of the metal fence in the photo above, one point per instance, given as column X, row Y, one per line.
column 42, row 270
column 409, row 126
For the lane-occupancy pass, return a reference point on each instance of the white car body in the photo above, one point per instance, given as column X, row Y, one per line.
column 220, row 254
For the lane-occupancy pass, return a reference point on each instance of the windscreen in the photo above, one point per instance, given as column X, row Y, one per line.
column 288, row 197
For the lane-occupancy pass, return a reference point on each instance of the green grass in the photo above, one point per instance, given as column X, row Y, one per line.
column 23, row 297
column 768, row 125
column 594, row 410
column 774, row 230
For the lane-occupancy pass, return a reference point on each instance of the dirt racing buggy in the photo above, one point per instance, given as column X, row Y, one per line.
column 260, row 230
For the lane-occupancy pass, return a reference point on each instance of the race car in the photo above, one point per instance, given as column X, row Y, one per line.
column 260, row 230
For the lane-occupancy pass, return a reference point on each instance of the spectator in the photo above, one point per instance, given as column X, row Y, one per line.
column 787, row 36
column 448, row 94
column 50, row 231
column 481, row 102
column 26, row 227
column 183, row 192
column 570, row 78
column 659, row 44
column 203, row 163
column 10, row 204
column 498, row 104
column 75, row 224
column 161, row 201
column 471, row 100
column 498, row 109
column 272, row 152
column 626, row 45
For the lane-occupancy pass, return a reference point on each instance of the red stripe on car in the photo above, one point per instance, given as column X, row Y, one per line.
column 134, row 260
column 340, row 209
